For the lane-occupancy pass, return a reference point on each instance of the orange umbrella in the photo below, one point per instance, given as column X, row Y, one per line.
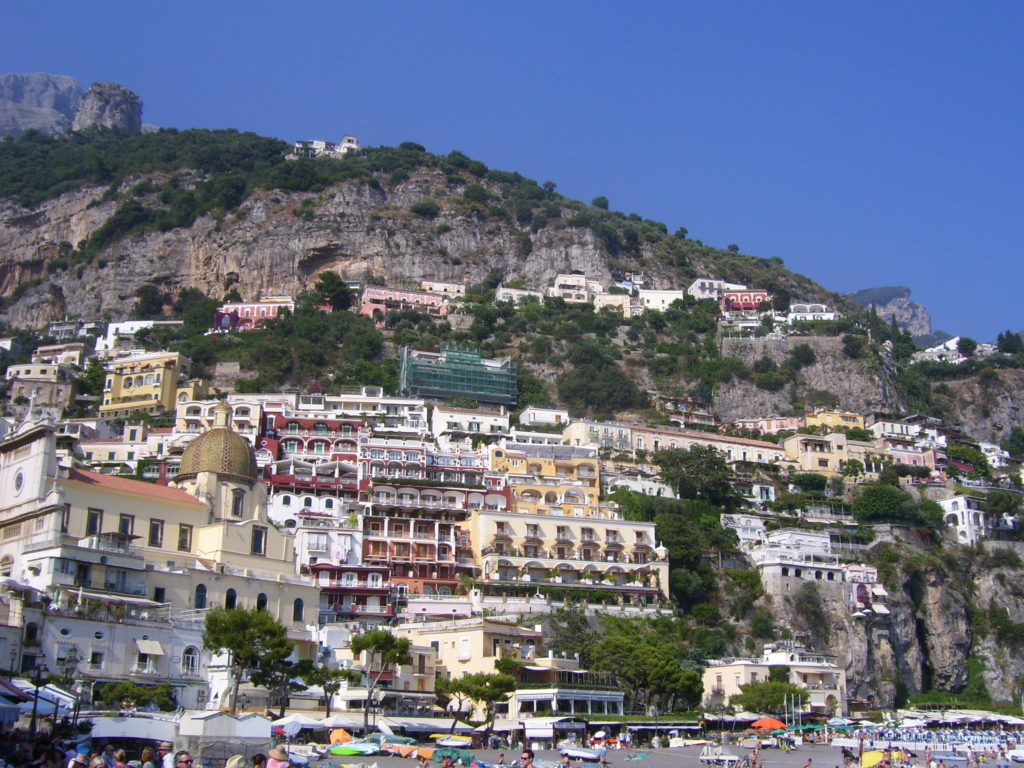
column 340, row 736
column 769, row 723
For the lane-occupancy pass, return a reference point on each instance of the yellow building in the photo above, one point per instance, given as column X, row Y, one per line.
column 833, row 419
column 558, row 532
column 623, row 303
column 148, row 382
column 829, row 454
column 468, row 646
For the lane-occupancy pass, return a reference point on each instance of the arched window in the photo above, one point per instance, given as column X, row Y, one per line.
column 6, row 565
column 190, row 661
column 261, row 602
column 230, row 599
column 329, row 504
column 200, row 600
column 402, row 590
column 307, row 502
column 298, row 609
column 31, row 632
column 286, row 501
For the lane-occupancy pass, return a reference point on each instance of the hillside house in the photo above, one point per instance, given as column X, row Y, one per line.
column 808, row 312
column 575, row 288
column 746, row 300
column 377, row 301
column 710, row 288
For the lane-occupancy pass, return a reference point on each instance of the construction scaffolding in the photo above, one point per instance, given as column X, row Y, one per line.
column 458, row 371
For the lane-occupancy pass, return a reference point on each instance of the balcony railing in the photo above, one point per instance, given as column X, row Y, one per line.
column 144, row 669
column 358, row 584
column 138, row 590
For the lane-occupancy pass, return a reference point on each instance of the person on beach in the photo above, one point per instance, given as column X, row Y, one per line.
column 526, row 759
column 501, row 758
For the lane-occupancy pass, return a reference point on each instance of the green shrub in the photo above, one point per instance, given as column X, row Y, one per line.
column 428, row 209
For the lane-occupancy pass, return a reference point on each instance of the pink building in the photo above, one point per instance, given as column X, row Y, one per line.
column 378, row 301
column 246, row 315
column 907, row 452
column 747, row 299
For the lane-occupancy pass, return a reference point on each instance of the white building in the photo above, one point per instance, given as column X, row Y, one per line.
column 998, row 458
column 749, row 529
column 965, row 515
column 804, row 312
column 321, row 148
column 790, row 556
column 660, row 300
column 822, row 678
column 121, row 336
column 885, row 427
column 711, row 288
column 535, row 416
column 526, row 437
column 459, row 424
column 516, row 295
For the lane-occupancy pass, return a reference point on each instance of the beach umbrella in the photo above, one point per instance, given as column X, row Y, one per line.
column 600, row 735
column 869, row 759
column 768, row 723
column 839, row 721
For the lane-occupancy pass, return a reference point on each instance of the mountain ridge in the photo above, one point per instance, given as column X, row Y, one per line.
column 56, row 105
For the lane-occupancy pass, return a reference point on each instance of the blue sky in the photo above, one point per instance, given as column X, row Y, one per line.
column 865, row 143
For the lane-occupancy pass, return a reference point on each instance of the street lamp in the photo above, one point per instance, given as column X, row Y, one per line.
column 70, row 664
column 40, row 669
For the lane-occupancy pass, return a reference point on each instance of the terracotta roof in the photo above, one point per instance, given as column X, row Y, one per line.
column 138, row 487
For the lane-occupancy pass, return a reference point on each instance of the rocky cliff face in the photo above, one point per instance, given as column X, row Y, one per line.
column 986, row 407
column 275, row 243
column 858, row 384
column 54, row 104
column 109, row 105
column 38, row 101
column 928, row 637
column 894, row 302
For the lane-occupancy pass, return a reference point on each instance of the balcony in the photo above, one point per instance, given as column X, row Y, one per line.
column 144, row 670
column 137, row 590
column 357, row 584
column 412, row 503
column 337, row 612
